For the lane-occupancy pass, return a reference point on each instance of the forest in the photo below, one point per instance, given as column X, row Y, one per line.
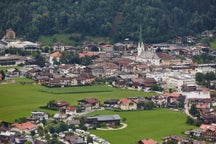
column 118, row 19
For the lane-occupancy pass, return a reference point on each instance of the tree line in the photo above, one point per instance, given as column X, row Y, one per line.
column 160, row 20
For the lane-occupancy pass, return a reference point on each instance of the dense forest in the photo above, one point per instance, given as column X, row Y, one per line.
column 117, row 19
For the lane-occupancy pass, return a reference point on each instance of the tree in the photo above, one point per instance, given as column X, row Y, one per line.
column 124, row 119
column 40, row 131
column 209, row 76
column 39, row 60
column 3, row 74
column 193, row 111
column 189, row 120
column 199, row 77
column 89, row 139
column 52, row 130
column 32, row 133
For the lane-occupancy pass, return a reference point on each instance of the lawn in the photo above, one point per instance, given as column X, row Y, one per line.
column 18, row 100
column 154, row 124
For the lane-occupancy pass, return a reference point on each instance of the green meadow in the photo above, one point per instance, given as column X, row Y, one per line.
column 19, row 99
column 154, row 124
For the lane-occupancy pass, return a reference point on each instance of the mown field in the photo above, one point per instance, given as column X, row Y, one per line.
column 19, row 99
column 154, row 124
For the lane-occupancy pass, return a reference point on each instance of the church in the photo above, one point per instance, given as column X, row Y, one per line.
column 144, row 55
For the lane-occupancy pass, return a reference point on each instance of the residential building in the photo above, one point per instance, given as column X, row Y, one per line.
column 109, row 120
column 127, row 104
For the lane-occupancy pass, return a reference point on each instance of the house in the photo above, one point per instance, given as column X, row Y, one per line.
column 27, row 126
column 87, row 54
column 62, row 81
column 141, row 68
column 11, row 60
column 92, row 102
column 10, row 34
column 146, row 141
column 178, row 40
column 59, row 105
column 199, row 97
column 58, row 46
column 176, row 139
column 127, row 104
column 167, row 59
column 55, row 57
column 111, row 103
column 37, row 115
column 74, row 139
column 74, row 122
column 191, row 39
column 110, row 120
column 60, row 116
column 12, row 72
column 97, row 71
column 209, row 132
column 6, row 136
column 70, row 110
column 107, row 48
column 85, row 78
column 173, row 99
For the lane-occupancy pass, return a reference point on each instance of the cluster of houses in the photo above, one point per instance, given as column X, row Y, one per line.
column 132, row 66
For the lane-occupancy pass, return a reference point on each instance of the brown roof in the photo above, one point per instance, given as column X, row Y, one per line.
column 71, row 108
column 61, row 103
column 92, row 100
column 164, row 56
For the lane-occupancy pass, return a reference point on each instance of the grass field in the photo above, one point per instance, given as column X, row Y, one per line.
column 213, row 44
column 18, row 100
column 154, row 124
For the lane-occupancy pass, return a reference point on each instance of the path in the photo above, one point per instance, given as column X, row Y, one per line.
column 124, row 125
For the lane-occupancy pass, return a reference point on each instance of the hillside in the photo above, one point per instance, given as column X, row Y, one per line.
column 160, row 19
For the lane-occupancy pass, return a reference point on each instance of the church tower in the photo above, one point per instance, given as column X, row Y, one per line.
column 140, row 47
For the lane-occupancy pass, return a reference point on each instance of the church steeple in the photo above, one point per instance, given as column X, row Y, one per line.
column 140, row 47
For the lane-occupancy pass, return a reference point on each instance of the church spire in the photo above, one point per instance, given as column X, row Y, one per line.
column 140, row 47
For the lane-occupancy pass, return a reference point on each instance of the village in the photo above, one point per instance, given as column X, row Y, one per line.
column 166, row 69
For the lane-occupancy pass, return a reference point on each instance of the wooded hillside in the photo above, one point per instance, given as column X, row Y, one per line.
column 160, row 19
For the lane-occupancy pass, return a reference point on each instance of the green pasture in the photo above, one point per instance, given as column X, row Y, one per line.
column 19, row 99
column 154, row 124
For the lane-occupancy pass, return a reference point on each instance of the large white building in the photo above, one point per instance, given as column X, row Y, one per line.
column 144, row 55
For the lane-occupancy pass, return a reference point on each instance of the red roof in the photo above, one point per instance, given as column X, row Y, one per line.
column 27, row 125
column 202, row 106
column 89, row 54
column 205, row 127
column 176, row 95
column 125, row 101
column 148, row 141
column 56, row 54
